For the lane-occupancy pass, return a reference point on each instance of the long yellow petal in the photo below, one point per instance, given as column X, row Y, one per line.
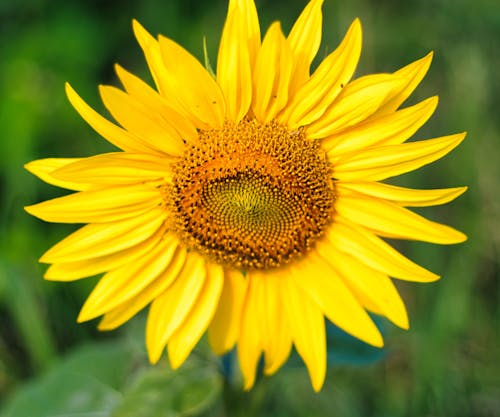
column 277, row 340
column 374, row 252
column 98, row 206
column 387, row 218
column 317, row 94
column 379, row 163
column 367, row 283
column 102, row 239
column 413, row 74
column 304, row 40
column 234, row 74
column 116, row 168
column 390, row 129
column 250, row 20
column 69, row 271
column 194, row 87
column 151, row 49
column 109, row 131
column 156, row 103
column 225, row 327
column 264, row 327
column 43, row 169
column 307, row 327
column 272, row 75
column 135, row 117
column 189, row 333
column 324, row 285
column 357, row 101
column 169, row 310
column 250, row 337
column 122, row 284
column 407, row 197
column 125, row 311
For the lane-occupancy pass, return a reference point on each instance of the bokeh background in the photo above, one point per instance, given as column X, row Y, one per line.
column 446, row 365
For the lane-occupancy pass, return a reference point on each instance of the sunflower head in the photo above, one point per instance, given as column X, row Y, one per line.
column 255, row 201
column 249, row 204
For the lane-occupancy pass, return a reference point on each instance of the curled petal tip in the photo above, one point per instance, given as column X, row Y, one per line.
column 461, row 237
column 356, row 22
column 102, row 327
column 82, row 317
column 32, row 210
column 153, row 357
column 136, row 26
column 68, row 89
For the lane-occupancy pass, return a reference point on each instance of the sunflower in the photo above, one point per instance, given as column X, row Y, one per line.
column 249, row 204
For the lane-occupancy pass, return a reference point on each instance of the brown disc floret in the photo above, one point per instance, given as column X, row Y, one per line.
column 252, row 196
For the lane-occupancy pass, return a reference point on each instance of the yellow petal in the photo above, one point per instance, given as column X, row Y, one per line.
column 125, row 311
column 390, row 129
column 109, row 131
column 168, row 86
column 379, row 163
column 357, row 101
column 304, row 40
column 225, row 327
column 185, row 338
column 234, row 74
column 151, row 128
column 367, row 283
column 161, row 76
column 264, row 327
column 98, row 206
column 69, row 271
column 169, row 310
column 151, row 50
column 116, row 168
column 307, row 327
column 317, row 94
column 250, row 337
column 272, row 75
column 402, row 196
column 122, row 284
column 374, row 252
column 276, row 337
column 43, row 169
column 102, row 239
column 156, row 103
column 194, row 87
column 323, row 284
column 389, row 219
column 412, row 74
column 250, row 20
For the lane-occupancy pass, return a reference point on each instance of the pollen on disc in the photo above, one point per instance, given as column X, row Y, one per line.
column 251, row 196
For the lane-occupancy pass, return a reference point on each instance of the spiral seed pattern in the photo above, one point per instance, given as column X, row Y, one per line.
column 252, row 196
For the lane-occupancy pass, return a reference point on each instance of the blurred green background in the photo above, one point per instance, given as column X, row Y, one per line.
column 446, row 365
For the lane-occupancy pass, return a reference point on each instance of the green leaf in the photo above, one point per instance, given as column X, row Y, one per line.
column 159, row 392
column 342, row 348
column 84, row 384
column 20, row 297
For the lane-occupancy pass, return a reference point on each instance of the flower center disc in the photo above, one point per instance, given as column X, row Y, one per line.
column 252, row 196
